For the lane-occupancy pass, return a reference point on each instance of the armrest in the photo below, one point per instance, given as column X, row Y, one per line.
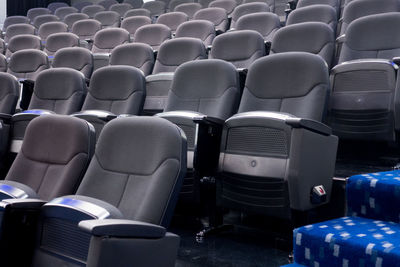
column 396, row 60
column 162, row 76
column 267, row 45
column 242, row 71
column 310, row 125
column 101, row 55
column 30, row 114
column 90, row 41
column 27, row 203
column 5, row 117
column 26, row 82
column 364, row 64
column 15, row 190
column 181, row 114
column 341, row 38
column 209, row 121
column 122, row 228
column 99, row 114
column 218, row 31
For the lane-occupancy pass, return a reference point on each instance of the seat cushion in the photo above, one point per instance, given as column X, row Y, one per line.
column 372, row 196
column 348, row 241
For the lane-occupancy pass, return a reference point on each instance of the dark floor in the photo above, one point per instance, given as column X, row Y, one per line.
column 256, row 241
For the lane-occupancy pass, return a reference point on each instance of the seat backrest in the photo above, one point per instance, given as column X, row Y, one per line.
column 56, row 5
column 304, row 95
column 86, row 28
column 144, row 169
column 74, row 17
column 11, row 20
column 205, row 3
column 54, row 155
column 39, row 20
column 9, row 93
column 270, row 3
column 312, row 37
column 92, row 10
column 174, row 52
column 314, row 13
column 77, row 58
column 209, row 86
column 265, row 23
column 248, row 8
column 18, row 29
column 137, row 55
column 65, row 98
column 107, row 3
column 51, row 27
column 21, row 42
column 3, row 63
column 34, row 12
column 333, row 3
column 81, row 5
column 117, row 89
column 361, row 8
column 174, row 3
column 172, row 19
column 106, row 39
column 27, row 63
column 134, row 3
column 201, row 29
column 188, row 8
column 137, row 12
column 56, row 41
column 216, row 15
column 153, row 35
column 241, row 48
column 131, row 24
column 64, row 11
column 121, row 9
column 108, row 19
column 156, row 8
column 372, row 37
column 228, row 5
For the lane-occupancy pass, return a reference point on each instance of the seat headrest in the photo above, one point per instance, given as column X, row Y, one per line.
column 18, row 62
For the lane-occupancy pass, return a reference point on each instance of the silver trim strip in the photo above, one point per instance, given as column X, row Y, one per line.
column 12, row 191
column 80, row 205
column 16, row 146
column 262, row 114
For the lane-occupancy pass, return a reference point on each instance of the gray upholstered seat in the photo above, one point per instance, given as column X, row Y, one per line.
column 77, row 58
column 106, row 40
column 216, row 15
column 133, row 180
column 108, row 19
column 18, row 29
column 92, row 10
column 86, row 29
column 270, row 3
column 81, row 5
column 134, row 3
column 156, row 8
column 314, row 13
column 205, row 3
column 188, row 8
column 39, row 20
column 27, row 63
column 131, row 24
column 333, row 3
column 174, row 3
column 153, row 35
column 74, row 17
column 172, row 20
column 9, row 93
column 56, row 5
column 265, row 23
column 171, row 55
column 121, row 9
column 312, row 37
column 137, row 55
column 11, row 20
column 241, row 48
column 21, row 42
column 34, row 12
column 51, row 27
column 364, row 98
column 56, row 41
column 200, row 29
column 202, row 90
column 282, row 107
column 62, row 12
column 3, row 63
column 137, row 12
column 113, row 90
column 228, row 5
column 107, row 3
column 248, row 8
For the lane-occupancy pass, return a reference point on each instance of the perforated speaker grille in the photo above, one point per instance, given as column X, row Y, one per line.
column 190, row 132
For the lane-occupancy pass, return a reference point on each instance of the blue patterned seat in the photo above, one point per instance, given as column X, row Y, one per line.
column 368, row 237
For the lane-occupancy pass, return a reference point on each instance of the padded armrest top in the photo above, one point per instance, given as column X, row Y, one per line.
column 11, row 189
column 122, row 228
column 160, row 77
column 100, row 114
column 311, row 125
column 27, row 203
column 30, row 114
column 183, row 114
column 5, row 117
column 364, row 64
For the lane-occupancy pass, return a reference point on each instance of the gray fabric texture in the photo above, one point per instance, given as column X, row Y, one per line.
column 92, row 10
column 265, row 23
column 333, row 3
column 56, row 41
column 81, row 5
column 77, row 58
column 274, row 83
column 174, row 3
column 137, row 12
column 107, row 3
column 18, row 29
column 56, row 5
column 9, row 93
column 106, row 39
column 3, row 63
column 136, row 4
column 64, row 11
column 136, row 55
column 216, row 15
column 228, row 5
column 131, row 24
column 27, row 63
column 201, row 29
column 72, row 18
column 11, row 20
column 39, row 20
column 153, row 35
column 248, row 8
column 51, row 27
column 317, row 13
column 121, row 9
column 34, row 12
column 156, row 8
column 188, row 8
column 21, row 42
column 108, row 19
column 86, row 28
column 172, row 19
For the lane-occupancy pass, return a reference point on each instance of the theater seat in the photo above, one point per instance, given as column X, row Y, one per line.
column 156, row 8
column 86, row 29
column 136, row 4
column 131, row 24
column 49, row 28
column 11, row 20
column 39, row 20
column 108, row 19
column 153, row 35
column 56, row 41
column 107, row 3
column 92, row 10
column 172, row 20
column 121, row 9
column 130, row 191
column 23, row 42
column 113, row 90
column 200, row 29
column 228, row 5
column 333, row 3
column 171, row 55
column 276, row 150
column 51, row 163
column 77, row 58
column 265, row 23
column 3, row 63
column 80, row 5
column 18, row 29
column 188, row 8
column 137, row 55
column 174, row 3
column 34, row 12
column 74, row 17
column 203, row 94
column 62, row 12
column 56, row 5
column 215, row 15
column 137, row 12
column 248, row 8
